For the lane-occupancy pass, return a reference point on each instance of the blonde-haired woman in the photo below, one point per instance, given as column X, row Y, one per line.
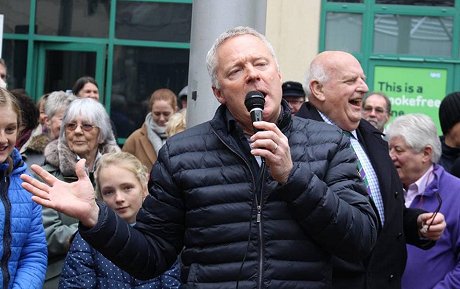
column 146, row 141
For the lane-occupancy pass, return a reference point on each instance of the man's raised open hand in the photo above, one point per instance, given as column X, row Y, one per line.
column 75, row 199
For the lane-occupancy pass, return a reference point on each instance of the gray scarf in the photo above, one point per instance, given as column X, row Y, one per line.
column 155, row 133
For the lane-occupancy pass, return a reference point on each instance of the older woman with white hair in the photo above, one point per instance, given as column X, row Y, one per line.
column 86, row 133
column 415, row 149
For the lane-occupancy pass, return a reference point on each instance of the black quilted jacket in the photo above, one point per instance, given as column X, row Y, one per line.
column 202, row 203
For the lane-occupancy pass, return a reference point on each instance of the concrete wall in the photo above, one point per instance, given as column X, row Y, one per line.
column 293, row 28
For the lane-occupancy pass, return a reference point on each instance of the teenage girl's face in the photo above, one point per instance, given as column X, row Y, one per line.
column 8, row 131
column 122, row 191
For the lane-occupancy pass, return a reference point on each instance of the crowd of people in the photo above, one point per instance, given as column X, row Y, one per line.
column 322, row 193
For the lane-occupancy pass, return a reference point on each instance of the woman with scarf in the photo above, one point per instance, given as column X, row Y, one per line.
column 146, row 141
column 85, row 133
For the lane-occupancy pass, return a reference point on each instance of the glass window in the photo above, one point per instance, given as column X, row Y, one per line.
column 62, row 68
column 343, row 31
column 415, row 35
column 15, row 55
column 137, row 72
column 153, row 21
column 448, row 3
column 83, row 18
column 15, row 16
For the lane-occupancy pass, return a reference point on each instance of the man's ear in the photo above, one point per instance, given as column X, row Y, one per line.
column 316, row 89
column 218, row 94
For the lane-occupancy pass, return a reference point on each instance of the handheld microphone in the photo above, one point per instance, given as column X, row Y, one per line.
column 254, row 103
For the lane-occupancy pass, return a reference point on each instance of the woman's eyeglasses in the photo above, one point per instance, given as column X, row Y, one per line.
column 438, row 197
column 84, row 126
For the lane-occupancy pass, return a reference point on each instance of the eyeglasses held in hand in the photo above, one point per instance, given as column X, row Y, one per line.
column 438, row 197
column 73, row 126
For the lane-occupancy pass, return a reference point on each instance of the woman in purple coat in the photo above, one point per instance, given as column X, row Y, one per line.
column 415, row 149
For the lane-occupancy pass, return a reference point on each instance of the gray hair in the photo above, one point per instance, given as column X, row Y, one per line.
column 57, row 101
column 211, row 57
column 419, row 131
column 93, row 112
column 316, row 72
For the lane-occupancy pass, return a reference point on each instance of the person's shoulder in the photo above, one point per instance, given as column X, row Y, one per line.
column 50, row 168
column 137, row 133
column 192, row 139
column 38, row 143
column 195, row 131
column 134, row 139
column 448, row 186
column 17, row 193
column 79, row 244
column 314, row 125
column 19, row 167
column 366, row 127
column 371, row 135
column 447, row 176
column 314, row 132
column 51, row 149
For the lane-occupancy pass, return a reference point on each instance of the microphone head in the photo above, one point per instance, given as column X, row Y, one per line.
column 254, row 99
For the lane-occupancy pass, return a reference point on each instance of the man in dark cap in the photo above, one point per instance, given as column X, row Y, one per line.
column 294, row 94
column 449, row 117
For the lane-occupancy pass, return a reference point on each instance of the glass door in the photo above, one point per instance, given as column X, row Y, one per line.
column 60, row 65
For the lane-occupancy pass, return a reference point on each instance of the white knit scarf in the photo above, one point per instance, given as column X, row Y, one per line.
column 155, row 133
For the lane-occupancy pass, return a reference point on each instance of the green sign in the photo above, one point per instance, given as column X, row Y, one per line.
column 412, row 90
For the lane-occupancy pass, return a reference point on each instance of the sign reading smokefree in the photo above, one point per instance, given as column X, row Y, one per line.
column 412, row 90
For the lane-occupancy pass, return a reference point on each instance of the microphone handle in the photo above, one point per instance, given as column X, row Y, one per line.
column 256, row 115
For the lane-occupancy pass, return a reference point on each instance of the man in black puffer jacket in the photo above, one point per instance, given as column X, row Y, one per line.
column 238, row 222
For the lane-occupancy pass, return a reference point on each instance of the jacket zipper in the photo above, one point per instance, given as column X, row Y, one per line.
column 261, row 245
column 257, row 194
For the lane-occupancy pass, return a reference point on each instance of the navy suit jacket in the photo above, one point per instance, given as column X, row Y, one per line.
column 383, row 268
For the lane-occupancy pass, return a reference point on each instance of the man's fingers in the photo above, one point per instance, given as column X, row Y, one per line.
column 43, row 174
column 41, row 193
column 267, row 126
column 41, row 201
column 32, row 184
